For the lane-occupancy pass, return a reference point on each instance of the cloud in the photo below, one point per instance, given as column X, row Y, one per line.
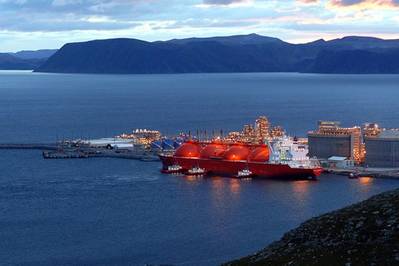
column 308, row 1
column 225, row 3
column 222, row 2
column 38, row 23
column 365, row 4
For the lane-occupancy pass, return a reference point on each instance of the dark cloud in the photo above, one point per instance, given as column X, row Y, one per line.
column 376, row 3
column 223, row 2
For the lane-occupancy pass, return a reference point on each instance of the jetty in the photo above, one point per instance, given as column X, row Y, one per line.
column 366, row 172
column 62, row 151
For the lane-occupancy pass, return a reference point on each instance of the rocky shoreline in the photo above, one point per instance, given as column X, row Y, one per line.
column 366, row 233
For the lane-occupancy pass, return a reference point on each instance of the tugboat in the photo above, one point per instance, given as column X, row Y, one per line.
column 173, row 169
column 353, row 175
column 196, row 171
column 246, row 173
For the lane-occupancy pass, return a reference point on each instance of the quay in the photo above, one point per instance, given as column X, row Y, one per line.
column 59, row 151
column 100, row 153
column 366, row 172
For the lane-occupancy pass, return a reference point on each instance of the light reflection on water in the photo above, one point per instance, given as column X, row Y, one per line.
column 235, row 185
column 300, row 189
column 366, row 180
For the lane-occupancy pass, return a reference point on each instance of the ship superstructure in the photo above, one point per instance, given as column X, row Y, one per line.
column 287, row 150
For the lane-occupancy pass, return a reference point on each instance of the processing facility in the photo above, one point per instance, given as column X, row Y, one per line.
column 382, row 150
column 330, row 139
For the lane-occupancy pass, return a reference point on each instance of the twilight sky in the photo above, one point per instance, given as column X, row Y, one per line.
column 36, row 24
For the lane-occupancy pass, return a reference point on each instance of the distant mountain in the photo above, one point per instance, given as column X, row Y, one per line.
column 377, row 61
column 8, row 61
column 356, row 42
column 237, row 39
column 24, row 60
column 241, row 53
column 38, row 54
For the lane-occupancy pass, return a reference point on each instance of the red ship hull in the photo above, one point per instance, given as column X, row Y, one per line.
column 218, row 166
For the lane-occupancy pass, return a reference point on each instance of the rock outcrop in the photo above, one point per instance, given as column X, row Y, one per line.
column 366, row 233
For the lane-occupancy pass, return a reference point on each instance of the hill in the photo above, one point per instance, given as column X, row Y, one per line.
column 366, row 233
column 37, row 54
column 8, row 61
column 24, row 60
column 241, row 53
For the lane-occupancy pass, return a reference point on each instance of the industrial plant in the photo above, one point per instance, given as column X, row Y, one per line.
column 368, row 146
column 259, row 149
column 382, row 150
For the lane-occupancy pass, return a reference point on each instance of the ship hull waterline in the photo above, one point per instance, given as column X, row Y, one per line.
column 231, row 168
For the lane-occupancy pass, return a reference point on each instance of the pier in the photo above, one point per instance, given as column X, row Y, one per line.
column 58, row 151
column 100, row 153
column 366, row 172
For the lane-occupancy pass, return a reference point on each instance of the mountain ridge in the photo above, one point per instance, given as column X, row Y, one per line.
column 24, row 60
column 238, row 53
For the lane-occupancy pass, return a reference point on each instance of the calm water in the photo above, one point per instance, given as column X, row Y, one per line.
column 117, row 212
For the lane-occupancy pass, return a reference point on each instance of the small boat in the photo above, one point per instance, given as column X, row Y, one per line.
column 172, row 169
column 196, row 171
column 246, row 173
column 353, row 175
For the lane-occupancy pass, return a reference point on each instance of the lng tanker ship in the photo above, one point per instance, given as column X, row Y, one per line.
column 280, row 158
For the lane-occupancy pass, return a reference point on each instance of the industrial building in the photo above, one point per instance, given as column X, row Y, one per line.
column 261, row 132
column 330, row 139
column 262, row 128
column 382, row 150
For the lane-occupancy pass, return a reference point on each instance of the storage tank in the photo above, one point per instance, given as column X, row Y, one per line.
column 237, row 153
column 259, row 154
column 188, row 149
column 213, row 150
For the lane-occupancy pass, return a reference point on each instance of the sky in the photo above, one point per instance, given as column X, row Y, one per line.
column 41, row 24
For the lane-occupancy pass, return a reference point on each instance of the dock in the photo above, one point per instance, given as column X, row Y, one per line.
column 100, row 153
column 59, row 151
column 366, row 172
column 63, row 155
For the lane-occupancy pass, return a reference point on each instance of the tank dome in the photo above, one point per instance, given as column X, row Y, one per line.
column 188, row 149
column 213, row 150
column 259, row 154
column 237, row 153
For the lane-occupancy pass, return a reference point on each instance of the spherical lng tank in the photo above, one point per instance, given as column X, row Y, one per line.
column 213, row 150
column 188, row 150
column 259, row 155
column 237, row 153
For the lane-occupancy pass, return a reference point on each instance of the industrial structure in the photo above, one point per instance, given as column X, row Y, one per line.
column 142, row 136
column 382, row 149
column 259, row 133
column 240, row 152
column 330, row 139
